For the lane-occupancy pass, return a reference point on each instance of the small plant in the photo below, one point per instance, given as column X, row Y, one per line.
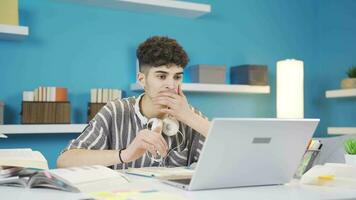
column 350, row 146
column 351, row 72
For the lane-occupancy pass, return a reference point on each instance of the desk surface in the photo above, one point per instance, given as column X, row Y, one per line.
column 291, row 191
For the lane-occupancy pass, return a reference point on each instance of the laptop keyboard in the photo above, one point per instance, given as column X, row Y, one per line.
column 185, row 181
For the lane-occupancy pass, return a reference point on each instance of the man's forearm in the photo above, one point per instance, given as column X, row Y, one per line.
column 80, row 157
column 198, row 123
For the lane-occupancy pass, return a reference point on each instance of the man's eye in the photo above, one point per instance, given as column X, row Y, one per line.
column 162, row 77
column 178, row 77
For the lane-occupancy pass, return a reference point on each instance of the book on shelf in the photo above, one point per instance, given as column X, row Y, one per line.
column 105, row 95
column 94, row 178
column 28, row 96
column 40, row 91
column 93, row 95
column 100, row 96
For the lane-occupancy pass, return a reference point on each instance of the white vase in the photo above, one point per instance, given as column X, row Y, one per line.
column 350, row 159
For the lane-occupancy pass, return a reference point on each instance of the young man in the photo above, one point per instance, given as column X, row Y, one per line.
column 118, row 135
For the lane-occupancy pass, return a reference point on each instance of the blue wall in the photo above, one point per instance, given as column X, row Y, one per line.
column 82, row 47
column 335, row 53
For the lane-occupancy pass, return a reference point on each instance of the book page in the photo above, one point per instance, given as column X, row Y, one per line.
column 14, row 181
column 90, row 178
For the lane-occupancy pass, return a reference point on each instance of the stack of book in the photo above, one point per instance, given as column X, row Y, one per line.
column 46, row 105
column 47, row 94
column 99, row 97
column 104, row 95
column 309, row 157
column 16, row 163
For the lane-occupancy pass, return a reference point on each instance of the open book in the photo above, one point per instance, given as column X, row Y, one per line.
column 74, row 179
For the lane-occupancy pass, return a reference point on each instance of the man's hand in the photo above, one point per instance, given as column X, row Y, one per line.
column 175, row 105
column 145, row 140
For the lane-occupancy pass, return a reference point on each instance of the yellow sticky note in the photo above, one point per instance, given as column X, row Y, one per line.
column 9, row 12
column 326, row 177
column 112, row 195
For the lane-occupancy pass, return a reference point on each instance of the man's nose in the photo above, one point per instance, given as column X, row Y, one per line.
column 171, row 85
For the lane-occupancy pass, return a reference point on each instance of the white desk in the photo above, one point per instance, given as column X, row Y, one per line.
column 290, row 192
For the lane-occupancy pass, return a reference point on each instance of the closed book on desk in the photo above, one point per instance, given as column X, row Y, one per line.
column 24, row 158
column 75, row 179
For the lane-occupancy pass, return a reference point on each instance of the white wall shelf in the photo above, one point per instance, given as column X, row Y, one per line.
column 13, row 32
column 341, row 130
column 41, row 128
column 216, row 88
column 340, row 93
column 169, row 7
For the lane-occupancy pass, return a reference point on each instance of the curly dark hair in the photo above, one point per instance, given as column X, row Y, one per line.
column 159, row 50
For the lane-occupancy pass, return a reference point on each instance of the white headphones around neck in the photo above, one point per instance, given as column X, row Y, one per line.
column 170, row 126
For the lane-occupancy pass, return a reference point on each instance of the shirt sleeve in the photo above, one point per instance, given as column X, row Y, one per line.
column 95, row 135
column 197, row 141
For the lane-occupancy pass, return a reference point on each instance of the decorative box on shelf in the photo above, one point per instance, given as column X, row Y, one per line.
column 214, row 74
column 35, row 112
column 249, row 75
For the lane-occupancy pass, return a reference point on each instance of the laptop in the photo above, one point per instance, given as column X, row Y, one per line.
column 249, row 152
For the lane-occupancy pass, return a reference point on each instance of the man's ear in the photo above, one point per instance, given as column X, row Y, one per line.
column 141, row 78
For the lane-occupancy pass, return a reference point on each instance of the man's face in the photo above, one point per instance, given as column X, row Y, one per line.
column 160, row 79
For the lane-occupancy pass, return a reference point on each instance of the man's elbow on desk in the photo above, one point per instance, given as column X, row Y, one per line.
column 68, row 159
column 80, row 157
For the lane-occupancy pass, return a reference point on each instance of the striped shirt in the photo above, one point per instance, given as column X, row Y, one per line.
column 116, row 125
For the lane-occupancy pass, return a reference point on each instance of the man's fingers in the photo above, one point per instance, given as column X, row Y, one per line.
column 150, row 148
column 180, row 91
column 165, row 102
column 164, row 143
column 165, row 98
column 154, row 139
column 168, row 95
column 157, row 143
column 158, row 129
column 167, row 111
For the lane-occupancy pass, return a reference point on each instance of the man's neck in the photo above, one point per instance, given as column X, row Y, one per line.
column 147, row 108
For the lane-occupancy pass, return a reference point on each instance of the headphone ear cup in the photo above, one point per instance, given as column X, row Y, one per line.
column 170, row 126
column 153, row 123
